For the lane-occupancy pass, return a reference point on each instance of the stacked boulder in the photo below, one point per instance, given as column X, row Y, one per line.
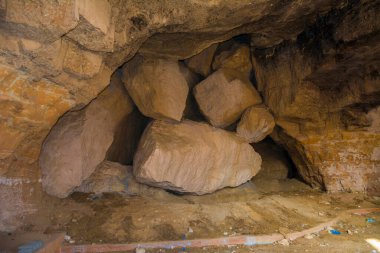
column 178, row 150
column 196, row 157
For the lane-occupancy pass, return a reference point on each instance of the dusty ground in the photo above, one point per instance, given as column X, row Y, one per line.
column 257, row 207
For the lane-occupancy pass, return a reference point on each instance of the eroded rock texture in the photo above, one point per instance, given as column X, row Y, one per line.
column 79, row 141
column 324, row 90
column 193, row 157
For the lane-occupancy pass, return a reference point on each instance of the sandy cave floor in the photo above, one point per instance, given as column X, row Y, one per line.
column 257, row 207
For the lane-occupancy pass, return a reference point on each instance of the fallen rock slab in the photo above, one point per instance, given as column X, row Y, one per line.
column 224, row 95
column 79, row 141
column 193, row 157
column 157, row 87
column 255, row 124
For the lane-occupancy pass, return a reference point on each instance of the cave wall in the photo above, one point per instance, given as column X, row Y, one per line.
column 324, row 90
column 59, row 55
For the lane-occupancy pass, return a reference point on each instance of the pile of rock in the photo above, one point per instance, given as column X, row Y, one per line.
column 188, row 156
column 174, row 152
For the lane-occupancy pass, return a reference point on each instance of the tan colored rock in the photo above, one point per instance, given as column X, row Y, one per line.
column 80, row 139
column 43, row 20
column 324, row 123
column 97, row 13
column 117, row 178
column 201, row 63
column 49, row 56
column 193, row 157
column 95, row 30
column 107, row 177
column 157, row 87
column 236, row 57
column 255, row 124
column 82, row 64
column 180, row 29
column 223, row 96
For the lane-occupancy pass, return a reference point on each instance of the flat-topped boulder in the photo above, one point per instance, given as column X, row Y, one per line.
column 157, row 86
column 193, row 157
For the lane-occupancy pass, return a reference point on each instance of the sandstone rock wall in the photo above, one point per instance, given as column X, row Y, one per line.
column 28, row 109
column 323, row 90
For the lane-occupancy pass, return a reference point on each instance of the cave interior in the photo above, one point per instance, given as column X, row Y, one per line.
column 189, row 126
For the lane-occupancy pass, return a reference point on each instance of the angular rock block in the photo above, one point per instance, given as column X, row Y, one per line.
column 157, row 86
column 255, row 124
column 79, row 141
column 224, row 95
column 193, row 157
column 201, row 63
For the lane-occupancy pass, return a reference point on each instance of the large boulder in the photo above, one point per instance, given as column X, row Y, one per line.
column 157, row 86
column 80, row 140
column 193, row 157
column 255, row 124
column 224, row 95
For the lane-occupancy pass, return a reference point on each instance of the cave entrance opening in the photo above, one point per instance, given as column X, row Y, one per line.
column 88, row 156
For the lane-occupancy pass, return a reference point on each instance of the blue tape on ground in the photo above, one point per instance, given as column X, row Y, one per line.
column 30, row 247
